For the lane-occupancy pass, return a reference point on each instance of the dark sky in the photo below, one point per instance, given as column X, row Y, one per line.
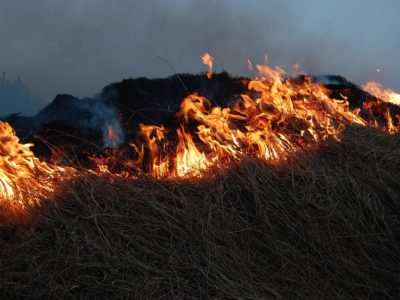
column 78, row 46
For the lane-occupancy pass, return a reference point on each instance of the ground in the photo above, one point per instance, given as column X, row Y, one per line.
column 324, row 224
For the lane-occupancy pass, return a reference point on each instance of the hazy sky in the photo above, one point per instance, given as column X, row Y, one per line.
column 78, row 46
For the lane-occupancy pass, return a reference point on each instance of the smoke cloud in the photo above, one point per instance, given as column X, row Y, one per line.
column 77, row 47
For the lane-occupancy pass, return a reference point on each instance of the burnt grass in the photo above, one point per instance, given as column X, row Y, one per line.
column 323, row 225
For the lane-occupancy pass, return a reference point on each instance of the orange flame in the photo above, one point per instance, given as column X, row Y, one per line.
column 189, row 160
column 155, row 139
column 112, row 136
column 24, row 179
column 275, row 118
column 208, row 60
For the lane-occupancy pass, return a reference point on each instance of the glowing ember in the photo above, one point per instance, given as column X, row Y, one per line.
column 377, row 90
column 208, row 60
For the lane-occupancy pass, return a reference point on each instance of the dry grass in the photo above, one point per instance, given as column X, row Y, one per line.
column 323, row 226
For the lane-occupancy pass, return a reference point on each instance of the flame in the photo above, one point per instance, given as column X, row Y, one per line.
column 208, row 60
column 277, row 116
column 155, row 142
column 385, row 94
column 189, row 160
column 282, row 119
column 112, row 136
column 24, row 179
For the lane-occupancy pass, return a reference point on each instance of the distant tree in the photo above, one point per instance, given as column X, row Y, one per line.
column 15, row 97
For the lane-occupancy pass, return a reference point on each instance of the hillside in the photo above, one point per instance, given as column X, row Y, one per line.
column 284, row 189
column 324, row 225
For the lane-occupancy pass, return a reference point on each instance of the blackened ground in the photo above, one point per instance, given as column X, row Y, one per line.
column 323, row 225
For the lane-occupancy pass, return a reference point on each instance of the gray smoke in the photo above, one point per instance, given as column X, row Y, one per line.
column 77, row 47
column 87, row 113
column 105, row 118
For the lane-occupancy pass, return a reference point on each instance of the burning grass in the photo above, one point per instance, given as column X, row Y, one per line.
column 24, row 179
column 287, row 192
column 323, row 224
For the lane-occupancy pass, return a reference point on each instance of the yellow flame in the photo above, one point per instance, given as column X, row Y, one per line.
column 24, row 179
column 274, row 118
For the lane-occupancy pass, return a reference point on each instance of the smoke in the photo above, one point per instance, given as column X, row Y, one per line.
column 104, row 117
column 87, row 113
column 77, row 47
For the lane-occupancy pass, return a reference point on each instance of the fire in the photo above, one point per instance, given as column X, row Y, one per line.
column 276, row 117
column 189, row 160
column 156, row 150
column 377, row 90
column 112, row 136
column 155, row 140
column 24, row 179
column 208, row 60
column 283, row 118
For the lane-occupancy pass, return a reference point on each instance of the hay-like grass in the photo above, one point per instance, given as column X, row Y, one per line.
column 323, row 225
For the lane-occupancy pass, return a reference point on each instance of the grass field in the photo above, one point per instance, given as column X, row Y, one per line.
column 323, row 225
